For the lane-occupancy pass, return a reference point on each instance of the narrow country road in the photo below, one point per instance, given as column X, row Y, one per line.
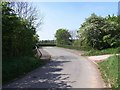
column 65, row 70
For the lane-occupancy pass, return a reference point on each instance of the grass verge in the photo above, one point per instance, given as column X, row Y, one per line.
column 17, row 66
column 110, row 71
column 102, row 52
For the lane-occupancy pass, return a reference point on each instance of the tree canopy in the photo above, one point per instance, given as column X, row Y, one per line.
column 18, row 34
column 99, row 33
column 62, row 37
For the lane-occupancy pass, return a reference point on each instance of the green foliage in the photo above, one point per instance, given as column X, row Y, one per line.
column 112, row 36
column 90, row 32
column 102, row 52
column 14, row 67
column 110, row 71
column 76, row 43
column 95, row 33
column 99, row 33
column 18, row 35
column 62, row 37
column 18, row 39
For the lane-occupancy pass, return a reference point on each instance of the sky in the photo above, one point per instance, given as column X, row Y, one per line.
column 69, row 15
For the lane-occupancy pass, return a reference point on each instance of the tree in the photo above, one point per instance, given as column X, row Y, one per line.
column 96, row 31
column 18, row 34
column 62, row 37
column 26, row 11
column 90, row 33
column 112, row 36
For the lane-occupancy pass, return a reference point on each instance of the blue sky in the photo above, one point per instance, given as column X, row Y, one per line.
column 69, row 15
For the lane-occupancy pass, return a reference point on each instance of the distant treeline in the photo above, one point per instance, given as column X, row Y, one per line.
column 46, row 43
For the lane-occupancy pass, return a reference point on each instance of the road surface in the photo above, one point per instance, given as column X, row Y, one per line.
column 65, row 70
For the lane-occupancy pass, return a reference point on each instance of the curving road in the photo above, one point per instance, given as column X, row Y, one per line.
column 65, row 70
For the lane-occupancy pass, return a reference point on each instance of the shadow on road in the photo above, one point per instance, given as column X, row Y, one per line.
column 49, row 76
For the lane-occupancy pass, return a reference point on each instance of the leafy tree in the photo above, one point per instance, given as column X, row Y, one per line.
column 90, row 32
column 62, row 37
column 112, row 36
column 18, row 34
column 96, row 32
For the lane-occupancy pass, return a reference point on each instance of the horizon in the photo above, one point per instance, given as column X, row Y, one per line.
column 69, row 15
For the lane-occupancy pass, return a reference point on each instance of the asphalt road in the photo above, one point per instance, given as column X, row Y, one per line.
column 65, row 70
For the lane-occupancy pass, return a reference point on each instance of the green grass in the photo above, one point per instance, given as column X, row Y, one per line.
column 15, row 67
column 110, row 71
column 102, row 52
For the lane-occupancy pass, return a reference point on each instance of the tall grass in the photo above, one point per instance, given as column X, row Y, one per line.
column 110, row 71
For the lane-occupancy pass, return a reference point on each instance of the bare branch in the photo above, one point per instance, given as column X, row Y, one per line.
column 26, row 11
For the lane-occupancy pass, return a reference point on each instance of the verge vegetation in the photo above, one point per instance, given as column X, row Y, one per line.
column 102, row 52
column 18, row 66
column 19, row 39
column 110, row 71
